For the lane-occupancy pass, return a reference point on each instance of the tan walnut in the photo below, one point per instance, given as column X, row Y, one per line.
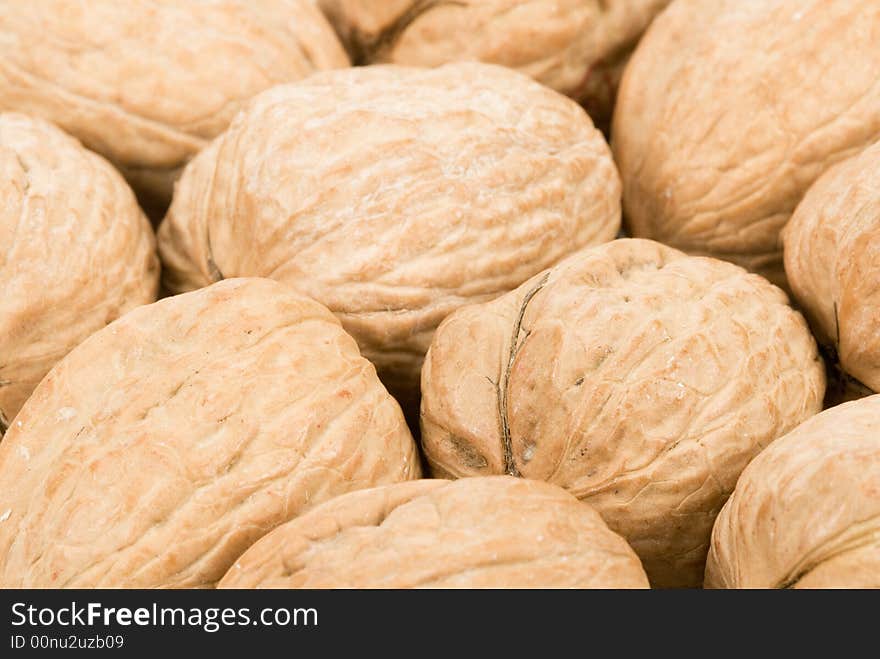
column 394, row 196
column 806, row 512
column 730, row 110
column 577, row 47
column 832, row 259
column 76, row 252
column 163, row 446
column 147, row 83
column 640, row 379
column 493, row 532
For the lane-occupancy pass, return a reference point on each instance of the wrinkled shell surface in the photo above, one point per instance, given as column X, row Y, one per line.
column 394, row 196
column 832, row 259
column 731, row 109
column 163, row 446
column 76, row 252
column 640, row 379
column 496, row 532
column 577, row 47
column 147, row 82
column 806, row 512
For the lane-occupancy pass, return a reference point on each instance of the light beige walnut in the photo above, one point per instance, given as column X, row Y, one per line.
column 76, row 252
column 729, row 110
column 577, row 47
column 147, row 82
column 640, row 379
column 394, row 196
column 494, row 532
column 832, row 259
column 806, row 512
column 163, row 446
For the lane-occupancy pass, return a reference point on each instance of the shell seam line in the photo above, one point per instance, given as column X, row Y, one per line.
column 213, row 271
column 502, row 387
column 367, row 50
column 165, row 130
column 861, row 541
column 831, row 353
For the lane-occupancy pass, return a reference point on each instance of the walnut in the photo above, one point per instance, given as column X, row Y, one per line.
column 394, row 196
column 640, row 379
column 806, row 511
column 164, row 445
column 730, row 110
column 494, row 532
column 832, row 259
column 148, row 83
column 577, row 47
column 76, row 253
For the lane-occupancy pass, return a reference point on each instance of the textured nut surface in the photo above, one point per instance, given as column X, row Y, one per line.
column 577, row 47
column 147, row 82
column 394, row 196
column 76, row 252
column 640, row 379
column 806, row 512
column 495, row 532
column 832, row 260
column 731, row 109
column 164, row 445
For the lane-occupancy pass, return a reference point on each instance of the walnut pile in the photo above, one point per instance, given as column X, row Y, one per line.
column 392, row 236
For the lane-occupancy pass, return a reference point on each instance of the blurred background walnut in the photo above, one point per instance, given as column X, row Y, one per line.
column 76, row 252
column 147, row 83
column 577, row 47
column 730, row 110
column 832, row 259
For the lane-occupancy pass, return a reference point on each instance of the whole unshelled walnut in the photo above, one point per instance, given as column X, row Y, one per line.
column 806, row 511
column 577, row 47
column 147, row 83
column 730, row 109
column 639, row 378
column 164, row 445
column 832, row 259
column 76, row 252
column 494, row 532
column 394, row 196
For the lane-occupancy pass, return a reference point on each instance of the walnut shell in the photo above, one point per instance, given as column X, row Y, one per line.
column 147, row 82
column 640, row 379
column 832, row 259
column 76, row 252
column 495, row 532
column 806, row 512
column 730, row 110
column 394, row 196
column 577, row 47
column 164, row 445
